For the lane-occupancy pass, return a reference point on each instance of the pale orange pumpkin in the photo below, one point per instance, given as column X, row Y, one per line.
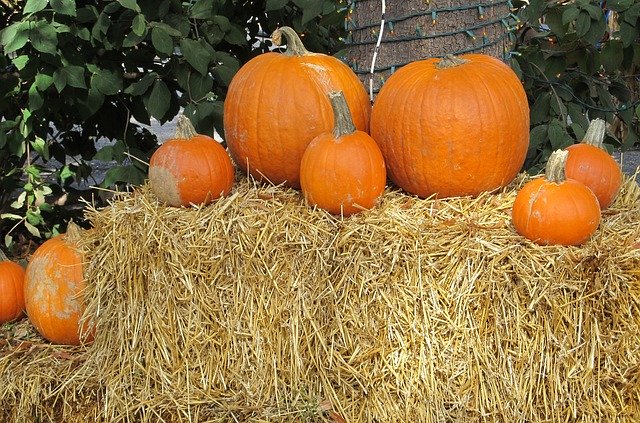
column 190, row 168
column 554, row 210
column 591, row 164
column 455, row 126
column 54, row 285
column 342, row 171
column 11, row 290
column 277, row 103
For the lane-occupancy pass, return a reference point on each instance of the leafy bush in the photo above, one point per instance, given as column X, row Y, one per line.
column 581, row 63
column 74, row 72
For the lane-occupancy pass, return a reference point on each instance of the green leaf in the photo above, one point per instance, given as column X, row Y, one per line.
column 35, row 98
column 236, row 36
column 628, row 33
column 130, row 4
column 21, row 61
column 201, row 9
column 611, row 55
column 32, row 6
column 583, row 23
column 275, row 5
column 91, row 103
column 139, row 25
column 195, row 55
column 162, row 41
column 129, row 174
column 537, row 137
column 15, row 36
column 223, row 74
column 107, row 82
column 44, row 37
column 199, row 86
column 619, row 5
column 113, row 152
column 140, row 87
column 558, row 135
column 554, row 19
column 32, row 229
column 64, row 7
column 570, row 14
column 69, row 75
column 541, row 109
column 41, row 147
column 159, row 100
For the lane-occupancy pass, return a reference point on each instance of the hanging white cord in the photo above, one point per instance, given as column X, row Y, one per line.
column 375, row 51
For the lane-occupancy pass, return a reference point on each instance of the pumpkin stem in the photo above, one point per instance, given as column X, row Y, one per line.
column 294, row 43
column 595, row 133
column 555, row 168
column 342, row 121
column 450, row 61
column 184, row 128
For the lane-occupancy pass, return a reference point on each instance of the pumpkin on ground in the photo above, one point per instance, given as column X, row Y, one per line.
column 277, row 103
column 455, row 126
column 590, row 164
column 11, row 290
column 190, row 168
column 54, row 283
column 554, row 210
column 343, row 171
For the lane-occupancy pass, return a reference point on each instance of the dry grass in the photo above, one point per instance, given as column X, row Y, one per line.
column 257, row 308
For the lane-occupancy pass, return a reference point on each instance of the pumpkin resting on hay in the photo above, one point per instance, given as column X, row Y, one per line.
column 258, row 308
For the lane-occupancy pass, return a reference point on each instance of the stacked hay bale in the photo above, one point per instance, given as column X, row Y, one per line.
column 258, row 308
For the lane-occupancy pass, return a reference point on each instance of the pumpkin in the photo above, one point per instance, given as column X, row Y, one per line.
column 454, row 126
column 590, row 164
column 190, row 168
column 277, row 103
column 11, row 290
column 555, row 210
column 53, row 288
column 343, row 171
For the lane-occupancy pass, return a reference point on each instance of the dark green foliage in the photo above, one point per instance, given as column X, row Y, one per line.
column 74, row 72
column 578, row 66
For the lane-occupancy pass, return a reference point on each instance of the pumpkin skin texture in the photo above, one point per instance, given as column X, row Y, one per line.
column 190, row 168
column 11, row 290
column 456, row 126
column 277, row 103
column 552, row 210
column 53, row 288
column 343, row 171
column 590, row 164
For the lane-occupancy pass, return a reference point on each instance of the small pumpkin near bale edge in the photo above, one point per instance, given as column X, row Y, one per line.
column 343, row 171
column 589, row 163
column 54, row 283
column 554, row 210
column 190, row 168
column 11, row 290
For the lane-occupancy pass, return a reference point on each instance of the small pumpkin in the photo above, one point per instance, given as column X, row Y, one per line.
column 343, row 171
column 454, row 126
column 554, row 210
column 190, row 168
column 54, row 283
column 277, row 103
column 589, row 163
column 11, row 290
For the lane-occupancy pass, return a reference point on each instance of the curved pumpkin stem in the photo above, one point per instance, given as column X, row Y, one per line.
column 555, row 168
column 595, row 133
column 73, row 234
column 450, row 61
column 294, row 43
column 184, row 128
column 342, row 121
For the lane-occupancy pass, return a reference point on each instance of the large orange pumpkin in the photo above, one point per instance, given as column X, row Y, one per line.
column 452, row 127
column 190, row 168
column 53, row 289
column 554, row 210
column 11, row 290
column 277, row 103
column 342, row 171
column 590, row 164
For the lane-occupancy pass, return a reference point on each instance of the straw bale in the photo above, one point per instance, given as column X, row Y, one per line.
column 259, row 308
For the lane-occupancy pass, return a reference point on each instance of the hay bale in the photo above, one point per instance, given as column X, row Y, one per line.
column 258, row 308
